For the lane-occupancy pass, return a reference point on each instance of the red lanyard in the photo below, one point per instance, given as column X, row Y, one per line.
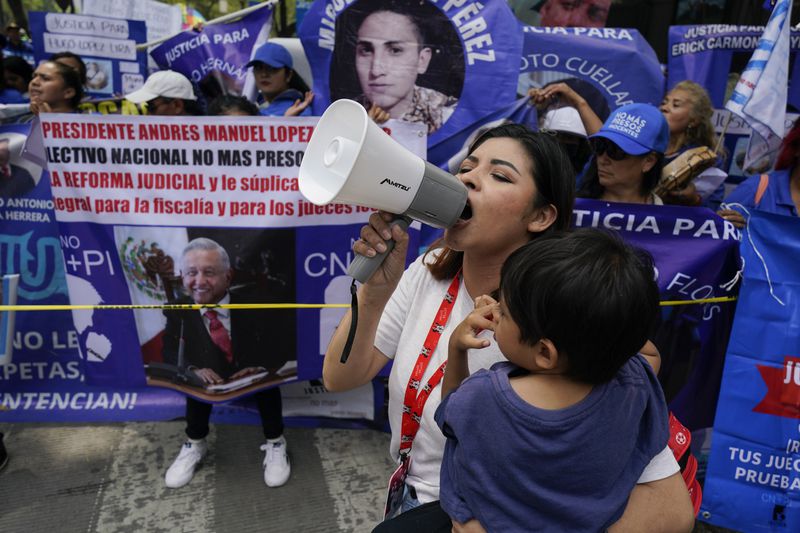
column 413, row 403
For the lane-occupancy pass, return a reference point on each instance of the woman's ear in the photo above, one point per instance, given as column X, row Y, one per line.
column 649, row 161
column 542, row 218
column 545, row 354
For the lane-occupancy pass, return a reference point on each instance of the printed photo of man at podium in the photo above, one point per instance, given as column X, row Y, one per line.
column 215, row 347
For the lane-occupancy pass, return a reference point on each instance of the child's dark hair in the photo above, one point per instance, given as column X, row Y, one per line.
column 224, row 104
column 593, row 296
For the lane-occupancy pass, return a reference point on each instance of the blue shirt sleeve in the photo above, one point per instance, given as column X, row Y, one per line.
column 745, row 192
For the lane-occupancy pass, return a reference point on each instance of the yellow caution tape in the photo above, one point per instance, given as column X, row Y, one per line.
column 76, row 307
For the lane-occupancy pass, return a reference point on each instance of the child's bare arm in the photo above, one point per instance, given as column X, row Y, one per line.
column 650, row 352
column 464, row 338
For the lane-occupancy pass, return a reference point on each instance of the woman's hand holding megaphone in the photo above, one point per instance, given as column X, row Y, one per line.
column 373, row 242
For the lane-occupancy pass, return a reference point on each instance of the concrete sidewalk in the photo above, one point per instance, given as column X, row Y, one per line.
column 110, row 477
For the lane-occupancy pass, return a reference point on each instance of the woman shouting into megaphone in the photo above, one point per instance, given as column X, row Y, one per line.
column 520, row 186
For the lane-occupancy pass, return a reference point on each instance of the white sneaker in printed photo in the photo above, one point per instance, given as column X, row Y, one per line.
column 182, row 469
column 276, row 462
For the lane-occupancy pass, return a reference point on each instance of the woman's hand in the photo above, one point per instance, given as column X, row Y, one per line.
column 299, row 105
column 685, row 196
column 38, row 107
column 732, row 216
column 553, row 93
column 373, row 241
column 473, row 526
column 377, row 114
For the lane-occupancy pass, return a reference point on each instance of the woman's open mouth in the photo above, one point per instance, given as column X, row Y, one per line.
column 466, row 214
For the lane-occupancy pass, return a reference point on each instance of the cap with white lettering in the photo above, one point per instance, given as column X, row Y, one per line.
column 637, row 129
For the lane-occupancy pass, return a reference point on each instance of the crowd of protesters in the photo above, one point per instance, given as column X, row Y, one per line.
column 532, row 378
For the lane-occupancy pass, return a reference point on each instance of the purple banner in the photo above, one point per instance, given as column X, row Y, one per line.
column 714, row 55
column 691, row 338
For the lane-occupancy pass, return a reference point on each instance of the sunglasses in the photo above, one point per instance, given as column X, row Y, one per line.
column 602, row 146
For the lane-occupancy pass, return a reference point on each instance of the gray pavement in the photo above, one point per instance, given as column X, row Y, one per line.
column 109, row 478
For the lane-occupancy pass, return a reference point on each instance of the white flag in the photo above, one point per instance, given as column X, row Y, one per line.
column 760, row 96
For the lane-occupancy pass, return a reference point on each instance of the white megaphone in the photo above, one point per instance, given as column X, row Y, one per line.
column 350, row 160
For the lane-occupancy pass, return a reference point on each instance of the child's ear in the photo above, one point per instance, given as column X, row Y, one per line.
column 545, row 354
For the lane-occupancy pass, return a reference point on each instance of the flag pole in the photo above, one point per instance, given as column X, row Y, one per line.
column 219, row 20
column 724, row 131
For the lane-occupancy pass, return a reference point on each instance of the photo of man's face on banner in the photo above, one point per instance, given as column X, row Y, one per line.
column 404, row 56
column 222, row 353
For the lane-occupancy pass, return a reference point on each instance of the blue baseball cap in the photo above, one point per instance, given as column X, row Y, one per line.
column 637, row 129
column 272, row 54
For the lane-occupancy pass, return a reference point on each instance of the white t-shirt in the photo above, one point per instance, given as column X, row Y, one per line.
column 401, row 332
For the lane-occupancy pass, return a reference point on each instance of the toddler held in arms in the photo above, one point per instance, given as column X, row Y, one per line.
column 556, row 438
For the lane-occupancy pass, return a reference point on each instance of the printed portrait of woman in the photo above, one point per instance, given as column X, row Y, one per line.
column 404, row 56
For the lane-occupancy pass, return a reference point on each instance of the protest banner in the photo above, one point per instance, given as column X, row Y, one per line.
column 714, row 55
column 753, row 474
column 131, row 192
column 448, row 68
column 163, row 20
column 608, row 67
column 214, row 59
column 691, row 338
column 106, row 45
column 44, row 381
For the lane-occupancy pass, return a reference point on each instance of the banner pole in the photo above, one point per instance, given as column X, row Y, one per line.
column 724, row 130
column 218, row 20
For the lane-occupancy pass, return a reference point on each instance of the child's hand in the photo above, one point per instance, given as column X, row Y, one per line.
column 465, row 336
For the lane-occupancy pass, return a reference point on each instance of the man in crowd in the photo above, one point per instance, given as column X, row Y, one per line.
column 167, row 93
column 223, row 344
column 15, row 46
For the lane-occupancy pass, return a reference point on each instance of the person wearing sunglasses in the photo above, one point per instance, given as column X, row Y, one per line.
column 628, row 156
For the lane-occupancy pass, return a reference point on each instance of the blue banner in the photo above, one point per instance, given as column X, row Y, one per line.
column 215, row 58
column 691, row 338
column 714, row 55
column 443, row 64
column 107, row 47
column 753, row 480
column 609, row 67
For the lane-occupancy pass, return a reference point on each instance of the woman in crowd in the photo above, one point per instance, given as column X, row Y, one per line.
column 520, row 186
column 55, row 88
column 688, row 110
column 283, row 91
column 777, row 192
column 8, row 93
column 628, row 156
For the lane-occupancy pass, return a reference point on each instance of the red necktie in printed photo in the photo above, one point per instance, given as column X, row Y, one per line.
column 219, row 334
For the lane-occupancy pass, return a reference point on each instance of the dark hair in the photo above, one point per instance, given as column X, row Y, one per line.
column 552, row 174
column 76, row 57
column 787, row 156
column 221, row 105
column 590, row 186
column 71, row 79
column 593, row 296
column 20, row 67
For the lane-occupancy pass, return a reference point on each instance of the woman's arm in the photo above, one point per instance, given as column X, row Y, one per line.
column 661, row 506
column 365, row 361
column 542, row 97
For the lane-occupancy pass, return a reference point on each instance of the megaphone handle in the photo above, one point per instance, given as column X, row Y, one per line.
column 362, row 267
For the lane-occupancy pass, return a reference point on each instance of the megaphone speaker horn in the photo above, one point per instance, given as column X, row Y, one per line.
column 351, row 160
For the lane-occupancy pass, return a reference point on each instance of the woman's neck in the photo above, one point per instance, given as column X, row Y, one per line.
column 481, row 273
column 675, row 143
column 61, row 108
column 629, row 195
